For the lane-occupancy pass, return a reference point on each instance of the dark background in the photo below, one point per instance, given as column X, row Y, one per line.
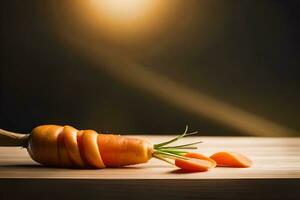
column 245, row 53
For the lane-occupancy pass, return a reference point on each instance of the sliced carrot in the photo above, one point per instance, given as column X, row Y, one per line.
column 193, row 165
column 70, row 139
column 196, row 163
column 231, row 159
column 63, row 156
column 65, row 146
column 91, row 150
column 201, row 157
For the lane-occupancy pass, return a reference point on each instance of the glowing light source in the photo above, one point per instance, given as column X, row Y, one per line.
column 123, row 10
column 120, row 21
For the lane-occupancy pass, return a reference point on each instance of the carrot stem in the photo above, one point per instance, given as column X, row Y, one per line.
column 163, row 159
column 171, row 155
column 161, row 145
column 181, row 146
column 176, row 152
column 175, row 139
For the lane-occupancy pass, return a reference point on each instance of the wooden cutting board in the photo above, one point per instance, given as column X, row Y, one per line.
column 276, row 172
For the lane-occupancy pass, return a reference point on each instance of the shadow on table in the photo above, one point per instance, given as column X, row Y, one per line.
column 180, row 171
column 37, row 166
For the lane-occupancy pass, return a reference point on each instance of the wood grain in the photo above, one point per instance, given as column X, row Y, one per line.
column 274, row 175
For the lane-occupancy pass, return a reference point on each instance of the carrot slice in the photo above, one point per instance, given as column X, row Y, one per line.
column 231, row 159
column 201, row 157
column 62, row 151
column 91, row 151
column 70, row 139
column 196, row 163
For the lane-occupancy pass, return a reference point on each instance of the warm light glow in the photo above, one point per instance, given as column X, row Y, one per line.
column 121, row 21
column 123, row 10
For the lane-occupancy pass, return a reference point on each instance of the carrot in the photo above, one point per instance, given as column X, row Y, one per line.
column 42, row 147
column 193, row 165
column 64, row 158
column 231, row 159
column 65, row 146
column 132, row 150
column 201, row 157
column 85, row 148
column 196, row 163
column 91, row 150
column 71, row 141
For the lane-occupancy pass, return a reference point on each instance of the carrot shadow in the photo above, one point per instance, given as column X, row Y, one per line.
column 33, row 166
column 180, row 171
column 37, row 166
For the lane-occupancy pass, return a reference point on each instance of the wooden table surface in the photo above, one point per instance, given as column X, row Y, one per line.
column 276, row 165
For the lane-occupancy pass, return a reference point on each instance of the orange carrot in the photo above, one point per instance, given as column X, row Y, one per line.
column 196, row 163
column 231, row 159
column 71, row 141
column 86, row 148
column 201, row 157
column 65, row 146
column 91, row 150
column 117, row 151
